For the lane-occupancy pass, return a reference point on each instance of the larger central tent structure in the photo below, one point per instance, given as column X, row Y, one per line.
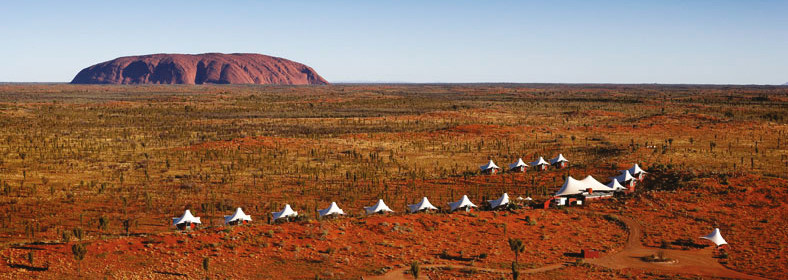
column 585, row 187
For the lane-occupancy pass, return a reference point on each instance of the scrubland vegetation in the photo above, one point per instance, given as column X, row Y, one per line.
column 120, row 161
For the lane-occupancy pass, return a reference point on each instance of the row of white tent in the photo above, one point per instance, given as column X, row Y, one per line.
column 380, row 207
column 570, row 187
column 520, row 163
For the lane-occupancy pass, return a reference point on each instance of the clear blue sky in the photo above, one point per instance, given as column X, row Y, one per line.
column 731, row 42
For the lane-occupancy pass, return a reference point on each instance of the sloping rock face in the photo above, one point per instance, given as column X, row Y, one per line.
column 209, row 68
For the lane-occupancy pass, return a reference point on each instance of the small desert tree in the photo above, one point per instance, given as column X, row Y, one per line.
column 79, row 251
column 517, row 247
column 415, row 269
column 78, row 233
column 206, row 263
column 103, row 223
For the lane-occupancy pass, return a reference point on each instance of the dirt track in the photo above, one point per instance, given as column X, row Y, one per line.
column 700, row 262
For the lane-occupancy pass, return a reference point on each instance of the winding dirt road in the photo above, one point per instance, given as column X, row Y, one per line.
column 699, row 262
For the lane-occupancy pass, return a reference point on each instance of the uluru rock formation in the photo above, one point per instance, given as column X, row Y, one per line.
column 208, row 68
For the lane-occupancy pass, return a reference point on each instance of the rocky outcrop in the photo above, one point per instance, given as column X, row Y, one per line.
column 209, row 68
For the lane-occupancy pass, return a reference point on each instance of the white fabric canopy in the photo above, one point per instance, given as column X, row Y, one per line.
column 616, row 186
column 540, row 161
column 285, row 213
column 186, row 218
column 504, row 200
column 624, row 177
column 715, row 237
column 239, row 215
column 559, row 158
column 464, row 202
column 572, row 186
column 424, row 204
column 635, row 170
column 380, row 207
column 332, row 209
column 489, row 165
column 519, row 163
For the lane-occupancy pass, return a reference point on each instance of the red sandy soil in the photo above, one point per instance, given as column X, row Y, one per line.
column 748, row 209
column 343, row 248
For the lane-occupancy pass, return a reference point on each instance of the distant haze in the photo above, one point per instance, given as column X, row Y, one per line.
column 696, row 42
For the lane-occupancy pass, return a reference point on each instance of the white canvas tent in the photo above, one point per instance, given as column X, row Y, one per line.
column 423, row 205
column 616, row 186
column 187, row 220
column 573, row 186
column 559, row 160
column 502, row 201
column 624, row 178
column 489, row 167
column 715, row 237
column 287, row 212
column 519, row 165
column 463, row 203
column 636, row 172
column 379, row 207
column 238, row 217
column 539, row 163
column 333, row 209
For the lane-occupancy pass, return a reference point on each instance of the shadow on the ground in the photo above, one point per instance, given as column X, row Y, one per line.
column 169, row 273
column 28, row 267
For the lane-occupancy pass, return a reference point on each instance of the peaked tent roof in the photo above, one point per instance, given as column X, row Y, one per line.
column 499, row 202
column 424, row 204
column 285, row 213
column 462, row 203
column 519, row 163
column 573, row 186
column 624, row 177
column 489, row 165
column 615, row 185
column 238, row 215
column 715, row 237
column 378, row 208
column 559, row 158
column 186, row 218
column 635, row 170
column 539, row 161
column 595, row 185
column 332, row 209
